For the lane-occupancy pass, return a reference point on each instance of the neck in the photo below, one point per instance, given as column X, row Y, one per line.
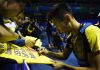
column 75, row 25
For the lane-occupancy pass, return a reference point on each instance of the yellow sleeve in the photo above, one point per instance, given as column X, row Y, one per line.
column 93, row 35
column 7, row 21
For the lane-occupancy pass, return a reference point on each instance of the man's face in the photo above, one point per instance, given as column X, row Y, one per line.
column 19, row 19
column 62, row 26
column 10, row 9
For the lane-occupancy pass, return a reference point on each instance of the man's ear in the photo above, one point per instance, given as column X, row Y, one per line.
column 67, row 17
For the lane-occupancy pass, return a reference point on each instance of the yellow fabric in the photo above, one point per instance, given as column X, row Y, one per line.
column 29, row 55
column 3, row 47
column 93, row 35
column 29, row 29
column 7, row 21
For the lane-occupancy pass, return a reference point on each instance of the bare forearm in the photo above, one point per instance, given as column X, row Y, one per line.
column 69, row 67
column 57, row 55
column 83, row 68
column 60, row 55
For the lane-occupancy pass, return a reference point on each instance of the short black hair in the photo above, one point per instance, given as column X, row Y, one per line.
column 58, row 11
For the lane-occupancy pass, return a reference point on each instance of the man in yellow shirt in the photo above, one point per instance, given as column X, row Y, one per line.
column 84, row 40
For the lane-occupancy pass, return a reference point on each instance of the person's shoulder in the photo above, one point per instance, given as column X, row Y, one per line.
column 92, row 33
column 91, row 29
column 93, row 36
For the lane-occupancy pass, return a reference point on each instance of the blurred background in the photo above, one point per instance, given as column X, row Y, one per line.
column 85, row 11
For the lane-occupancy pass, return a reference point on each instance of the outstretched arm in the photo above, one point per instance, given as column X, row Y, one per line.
column 6, row 34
